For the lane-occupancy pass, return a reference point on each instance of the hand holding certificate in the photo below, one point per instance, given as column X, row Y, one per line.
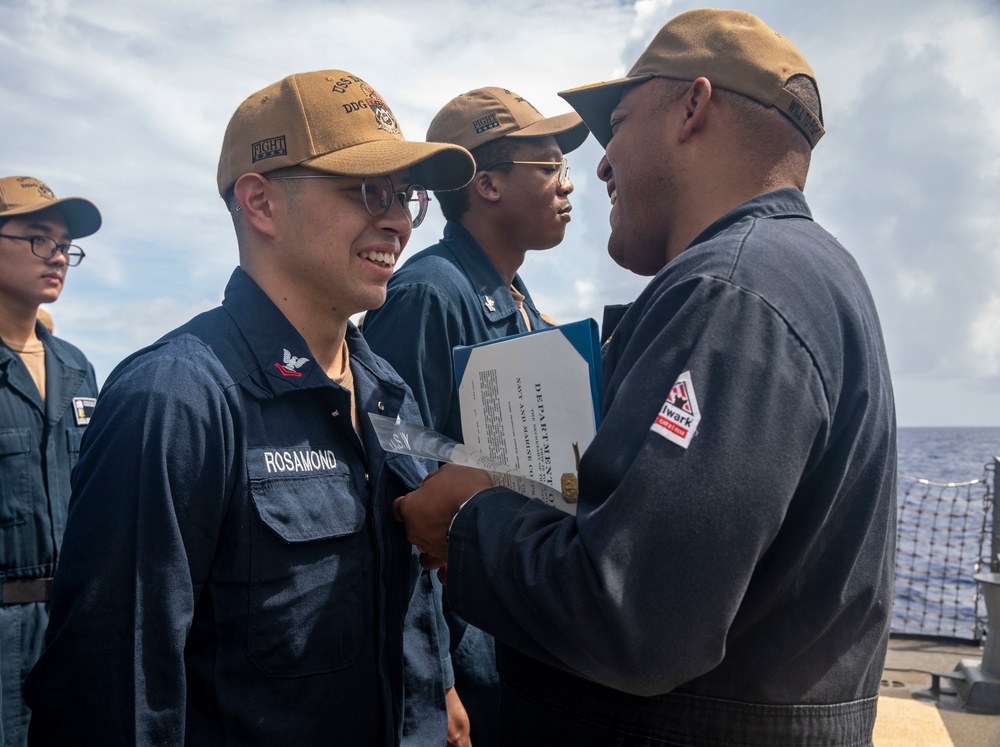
column 529, row 409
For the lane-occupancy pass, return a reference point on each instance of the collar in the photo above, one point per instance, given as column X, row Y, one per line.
column 782, row 203
column 63, row 375
column 52, row 347
column 495, row 301
column 279, row 351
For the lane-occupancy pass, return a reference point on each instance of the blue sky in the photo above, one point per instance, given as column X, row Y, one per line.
column 126, row 104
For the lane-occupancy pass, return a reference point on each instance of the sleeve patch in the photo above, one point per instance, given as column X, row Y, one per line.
column 678, row 419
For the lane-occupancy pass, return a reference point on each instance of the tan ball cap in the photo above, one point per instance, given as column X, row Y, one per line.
column 331, row 121
column 486, row 114
column 735, row 50
column 23, row 195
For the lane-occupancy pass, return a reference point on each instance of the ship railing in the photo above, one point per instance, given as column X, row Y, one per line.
column 946, row 534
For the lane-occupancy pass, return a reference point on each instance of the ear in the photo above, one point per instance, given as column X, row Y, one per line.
column 485, row 186
column 257, row 198
column 696, row 109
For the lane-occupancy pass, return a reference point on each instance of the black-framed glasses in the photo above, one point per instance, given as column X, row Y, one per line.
column 45, row 248
column 562, row 166
column 378, row 194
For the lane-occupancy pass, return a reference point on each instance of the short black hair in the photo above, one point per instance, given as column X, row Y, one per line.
column 455, row 203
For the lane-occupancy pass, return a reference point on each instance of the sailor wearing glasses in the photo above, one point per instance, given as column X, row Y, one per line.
column 232, row 573
column 47, row 392
column 465, row 289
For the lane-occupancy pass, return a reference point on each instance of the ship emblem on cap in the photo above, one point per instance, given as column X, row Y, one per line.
column 43, row 189
column 383, row 114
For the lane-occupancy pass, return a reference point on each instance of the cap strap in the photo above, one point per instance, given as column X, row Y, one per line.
column 792, row 107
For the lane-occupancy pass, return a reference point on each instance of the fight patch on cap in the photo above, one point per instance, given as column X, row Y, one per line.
column 273, row 146
column 485, row 124
column 678, row 419
column 83, row 408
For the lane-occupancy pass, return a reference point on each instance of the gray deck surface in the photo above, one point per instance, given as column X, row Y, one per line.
column 908, row 715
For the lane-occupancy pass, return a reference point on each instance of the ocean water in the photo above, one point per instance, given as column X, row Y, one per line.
column 941, row 519
column 946, row 454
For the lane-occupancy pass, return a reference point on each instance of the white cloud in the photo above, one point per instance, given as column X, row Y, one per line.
column 127, row 103
column 985, row 341
column 915, row 285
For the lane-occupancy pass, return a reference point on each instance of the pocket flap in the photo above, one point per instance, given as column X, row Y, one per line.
column 408, row 469
column 15, row 442
column 74, row 437
column 301, row 509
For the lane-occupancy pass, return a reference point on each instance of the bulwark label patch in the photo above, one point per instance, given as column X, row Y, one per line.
column 679, row 417
column 83, row 408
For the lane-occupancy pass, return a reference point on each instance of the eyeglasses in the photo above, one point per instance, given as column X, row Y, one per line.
column 378, row 193
column 46, row 248
column 562, row 166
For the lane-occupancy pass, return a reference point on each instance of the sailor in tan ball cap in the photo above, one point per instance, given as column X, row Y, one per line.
column 232, row 573
column 469, row 284
column 47, row 392
column 727, row 578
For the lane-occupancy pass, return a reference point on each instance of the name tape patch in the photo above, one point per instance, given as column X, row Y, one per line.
column 678, row 419
column 299, row 460
column 295, row 461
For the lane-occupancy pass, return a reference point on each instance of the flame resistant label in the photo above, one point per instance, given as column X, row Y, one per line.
column 678, row 419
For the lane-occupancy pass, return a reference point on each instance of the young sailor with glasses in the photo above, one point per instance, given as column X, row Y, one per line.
column 47, row 392
column 232, row 573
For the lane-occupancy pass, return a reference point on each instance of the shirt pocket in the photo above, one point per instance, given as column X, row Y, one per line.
column 310, row 564
column 15, row 475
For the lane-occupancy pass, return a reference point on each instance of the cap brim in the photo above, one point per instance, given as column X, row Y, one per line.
column 595, row 102
column 568, row 129
column 82, row 216
column 436, row 166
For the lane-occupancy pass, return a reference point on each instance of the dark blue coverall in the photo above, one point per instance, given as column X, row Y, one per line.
column 446, row 295
column 39, row 444
column 231, row 572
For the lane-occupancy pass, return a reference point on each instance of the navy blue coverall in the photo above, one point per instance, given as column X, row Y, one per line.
column 39, row 444
column 446, row 295
column 232, row 573
column 729, row 582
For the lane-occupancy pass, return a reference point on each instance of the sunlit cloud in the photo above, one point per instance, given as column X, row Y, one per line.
column 126, row 104
column 985, row 337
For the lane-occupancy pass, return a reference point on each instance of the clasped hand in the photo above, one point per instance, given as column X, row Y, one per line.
column 428, row 511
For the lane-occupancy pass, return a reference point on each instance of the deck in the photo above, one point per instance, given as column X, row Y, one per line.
column 908, row 715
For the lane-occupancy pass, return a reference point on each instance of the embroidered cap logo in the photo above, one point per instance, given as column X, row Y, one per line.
column 383, row 115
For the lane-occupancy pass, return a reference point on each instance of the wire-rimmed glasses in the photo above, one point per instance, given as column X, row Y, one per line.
column 45, row 248
column 378, row 194
column 562, row 165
